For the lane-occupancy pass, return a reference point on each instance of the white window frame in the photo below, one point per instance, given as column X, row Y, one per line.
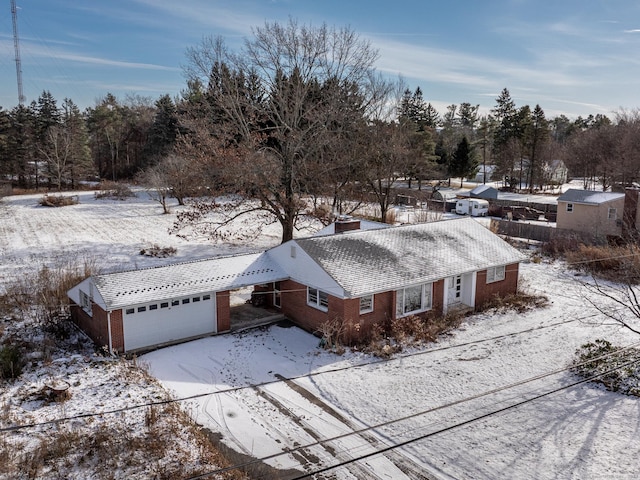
column 612, row 214
column 85, row 303
column 316, row 298
column 569, row 207
column 366, row 304
column 426, row 300
column 496, row 274
column 277, row 295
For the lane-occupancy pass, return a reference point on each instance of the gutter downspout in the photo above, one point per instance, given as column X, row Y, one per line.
column 109, row 332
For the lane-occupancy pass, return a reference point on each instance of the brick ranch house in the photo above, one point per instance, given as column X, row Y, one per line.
column 362, row 277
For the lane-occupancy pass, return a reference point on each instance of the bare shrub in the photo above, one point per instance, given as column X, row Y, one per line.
column 615, row 263
column 521, row 301
column 410, row 331
column 391, row 216
column 332, row 334
column 58, row 200
column 42, row 294
column 559, row 245
column 11, row 361
column 157, row 251
column 423, row 215
column 114, row 190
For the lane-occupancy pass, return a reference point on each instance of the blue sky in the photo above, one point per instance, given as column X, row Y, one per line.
column 573, row 57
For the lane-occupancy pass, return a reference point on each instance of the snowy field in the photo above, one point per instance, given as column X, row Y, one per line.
column 494, row 400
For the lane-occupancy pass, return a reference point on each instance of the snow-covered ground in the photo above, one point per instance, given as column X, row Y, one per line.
column 461, row 405
column 456, row 406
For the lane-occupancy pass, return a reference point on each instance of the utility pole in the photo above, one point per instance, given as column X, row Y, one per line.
column 16, row 46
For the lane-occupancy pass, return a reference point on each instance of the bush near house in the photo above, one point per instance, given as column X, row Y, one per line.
column 618, row 368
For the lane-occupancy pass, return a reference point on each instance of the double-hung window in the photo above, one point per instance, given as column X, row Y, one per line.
column 85, row 302
column 317, row 298
column 366, row 304
column 414, row 299
column 612, row 214
column 569, row 207
column 495, row 274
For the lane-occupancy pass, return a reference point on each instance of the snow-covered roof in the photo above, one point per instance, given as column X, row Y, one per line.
column 225, row 273
column 364, row 262
column 588, row 196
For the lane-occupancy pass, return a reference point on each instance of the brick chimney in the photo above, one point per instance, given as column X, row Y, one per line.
column 345, row 223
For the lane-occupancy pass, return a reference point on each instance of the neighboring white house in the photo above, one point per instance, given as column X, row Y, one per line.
column 485, row 173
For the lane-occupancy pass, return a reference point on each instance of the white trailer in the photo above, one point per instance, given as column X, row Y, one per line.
column 474, row 207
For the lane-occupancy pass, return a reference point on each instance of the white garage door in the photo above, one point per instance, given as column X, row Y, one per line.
column 168, row 321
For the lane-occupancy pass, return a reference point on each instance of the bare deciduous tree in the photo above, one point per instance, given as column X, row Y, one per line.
column 277, row 106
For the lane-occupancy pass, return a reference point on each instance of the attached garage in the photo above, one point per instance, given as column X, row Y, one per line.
column 169, row 321
column 141, row 309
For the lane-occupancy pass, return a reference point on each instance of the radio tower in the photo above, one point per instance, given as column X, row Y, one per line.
column 16, row 46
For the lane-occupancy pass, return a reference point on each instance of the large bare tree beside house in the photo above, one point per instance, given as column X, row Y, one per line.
column 274, row 108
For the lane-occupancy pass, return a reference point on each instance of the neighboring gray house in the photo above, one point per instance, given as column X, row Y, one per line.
column 484, row 191
column 361, row 278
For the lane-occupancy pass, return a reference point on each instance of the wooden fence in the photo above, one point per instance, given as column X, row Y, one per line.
column 541, row 233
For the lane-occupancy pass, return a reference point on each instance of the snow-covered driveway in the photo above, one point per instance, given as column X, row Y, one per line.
column 489, row 365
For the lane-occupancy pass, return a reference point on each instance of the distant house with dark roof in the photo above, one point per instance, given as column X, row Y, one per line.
column 598, row 214
column 359, row 277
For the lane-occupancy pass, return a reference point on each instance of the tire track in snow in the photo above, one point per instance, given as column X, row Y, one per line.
column 400, row 465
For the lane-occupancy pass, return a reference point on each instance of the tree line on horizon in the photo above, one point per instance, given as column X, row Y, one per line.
column 301, row 111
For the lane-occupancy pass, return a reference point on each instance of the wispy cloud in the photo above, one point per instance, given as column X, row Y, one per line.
column 35, row 51
column 208, row 14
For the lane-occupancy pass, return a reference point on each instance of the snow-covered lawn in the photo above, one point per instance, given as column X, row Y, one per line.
column 494, row 363
column 464, row 407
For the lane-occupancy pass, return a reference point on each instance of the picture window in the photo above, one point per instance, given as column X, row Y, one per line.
column 129, row 311
column 206, row 297
column 164, row 304
column 175, row 303
column 196, row 299
column 185, row 300
column 153, row 307
column 142, row 309
column 414, row 299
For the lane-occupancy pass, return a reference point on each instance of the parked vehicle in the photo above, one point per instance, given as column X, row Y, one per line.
column 475, row 207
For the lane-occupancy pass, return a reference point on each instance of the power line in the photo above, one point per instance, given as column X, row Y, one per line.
column 460, row 424
column 417, row 414
column 271, row 382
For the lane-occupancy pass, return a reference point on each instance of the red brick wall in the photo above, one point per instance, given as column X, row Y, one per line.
column 437, row 301
column 97, row 327
column 486, row 291
column 223, row 311
column 117, row 331
column 294, row 307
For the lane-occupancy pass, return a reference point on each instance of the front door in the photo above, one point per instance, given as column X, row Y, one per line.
column 454, row 294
